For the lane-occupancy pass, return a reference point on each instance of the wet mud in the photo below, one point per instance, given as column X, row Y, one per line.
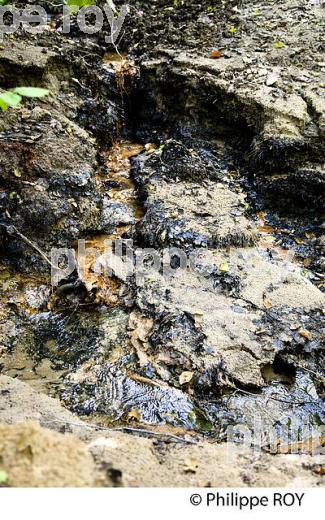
column 157, row 155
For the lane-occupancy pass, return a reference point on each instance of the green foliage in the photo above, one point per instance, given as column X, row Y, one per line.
column 12, row 98
column 4, row 2
column 75, row 5
column 9, row 99
column 3, row 477
column 80, row 3
column 32, row 92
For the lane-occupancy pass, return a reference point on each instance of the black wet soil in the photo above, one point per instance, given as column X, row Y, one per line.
column 139, row 156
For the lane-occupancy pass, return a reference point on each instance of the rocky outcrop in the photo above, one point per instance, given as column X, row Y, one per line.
column 49, row 157
column 42, row 457
column 35, row 457
column 229, row 327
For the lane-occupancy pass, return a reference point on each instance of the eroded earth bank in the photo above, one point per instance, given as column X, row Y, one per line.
column 201, row 145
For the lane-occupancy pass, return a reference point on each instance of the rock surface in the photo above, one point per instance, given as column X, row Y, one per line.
column 226, row 105
column 203, row 465
column 44, row 410
column 35, row 457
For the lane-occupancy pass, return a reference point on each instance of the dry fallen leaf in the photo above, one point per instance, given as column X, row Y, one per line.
column 266, row 229
column 198, row 319
column 267, row 303
column 261, row 215
column 150, row 148
column 190, row 465
column 320, row 470
column 134, row 415
column 215, row 55
column 305, row 334
column 307, row 262
column 185, row 377
column 139, row 329
column 224, row 267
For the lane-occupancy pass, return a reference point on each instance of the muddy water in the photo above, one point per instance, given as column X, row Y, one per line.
column 119, row 187
column 42, row 315
column 93, row 349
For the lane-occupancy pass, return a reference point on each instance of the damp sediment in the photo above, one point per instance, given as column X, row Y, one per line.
column 201, row 351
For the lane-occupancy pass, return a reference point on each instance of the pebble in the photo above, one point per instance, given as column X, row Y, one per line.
column 271, row 80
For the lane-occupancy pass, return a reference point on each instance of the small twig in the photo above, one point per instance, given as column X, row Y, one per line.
column 145, row 380
column 239, row 390
column 73, row 312
column 126, row 429
column 292, row 402
column 154, row 434
column 79, row 425
column 63, row 309
column 270, row 397
column 317, row 376
column 30, row 243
